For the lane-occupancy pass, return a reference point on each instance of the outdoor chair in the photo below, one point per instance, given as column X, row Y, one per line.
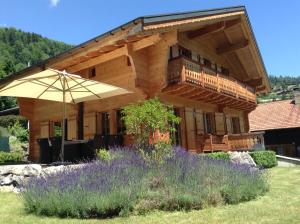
column 114, row 140
column 45, row 151
column 99, row 142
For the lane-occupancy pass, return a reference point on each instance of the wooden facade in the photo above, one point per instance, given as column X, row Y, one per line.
column 207, row 65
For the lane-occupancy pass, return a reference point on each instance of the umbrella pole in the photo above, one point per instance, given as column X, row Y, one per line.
column 63, row 121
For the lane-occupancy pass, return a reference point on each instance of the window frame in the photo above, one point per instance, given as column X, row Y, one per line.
column 209, row 118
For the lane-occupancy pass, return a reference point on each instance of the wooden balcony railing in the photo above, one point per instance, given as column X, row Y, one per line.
column 182, row 70
column 233, row 142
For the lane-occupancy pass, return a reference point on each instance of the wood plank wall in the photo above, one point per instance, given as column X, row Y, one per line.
column 144, row 72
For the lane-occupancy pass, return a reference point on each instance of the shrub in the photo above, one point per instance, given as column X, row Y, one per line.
column 156, row 154
column 219, row 155
column 11, row 157
column 143, row 119
column 128, row 184
column 265, row 159
column 103, row 154
column 19, row 131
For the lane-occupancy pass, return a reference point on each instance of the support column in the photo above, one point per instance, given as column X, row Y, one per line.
column 182, row 128
column 113, row 122
column 80, row 120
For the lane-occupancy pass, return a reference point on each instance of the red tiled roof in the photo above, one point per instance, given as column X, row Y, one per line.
column 275, row 115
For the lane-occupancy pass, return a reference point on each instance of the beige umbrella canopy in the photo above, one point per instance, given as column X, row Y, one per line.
column 59, row 86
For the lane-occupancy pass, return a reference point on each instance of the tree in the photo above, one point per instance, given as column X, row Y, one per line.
column 144, row 118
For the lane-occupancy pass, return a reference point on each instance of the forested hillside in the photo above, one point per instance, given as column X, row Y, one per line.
column 19, row 49
column 281, row 88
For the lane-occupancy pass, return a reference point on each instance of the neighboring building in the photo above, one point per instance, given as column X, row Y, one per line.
column 280, row 120
column 205, row 63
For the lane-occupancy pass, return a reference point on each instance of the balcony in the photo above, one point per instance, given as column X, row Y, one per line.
column 187, row 78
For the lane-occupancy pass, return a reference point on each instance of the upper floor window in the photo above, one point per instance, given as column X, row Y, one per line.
column 207, row 63
column 185, row 52
column 224, row 71
column 92, row 72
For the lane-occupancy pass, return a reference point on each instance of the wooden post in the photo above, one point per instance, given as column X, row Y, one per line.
column 182, row 128
column 80, row 120
column 113, row 122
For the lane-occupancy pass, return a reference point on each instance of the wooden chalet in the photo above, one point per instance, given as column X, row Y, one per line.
column 205, row 63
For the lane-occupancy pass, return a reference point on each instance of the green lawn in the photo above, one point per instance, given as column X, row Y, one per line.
column 280, row 205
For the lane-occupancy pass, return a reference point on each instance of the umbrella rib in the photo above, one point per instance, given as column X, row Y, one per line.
column 42, row 77
column 4, row 89
column 10, row 87
column 86, row 88
column 76, row 85
column 45, row 84
column 49, row 86
column 70, row 92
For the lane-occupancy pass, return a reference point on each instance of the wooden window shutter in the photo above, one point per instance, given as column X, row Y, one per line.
column 45, row 129
column 242, row 124
column 89, row 123
column 220, row 125
column 199, row 122
column 228, row 124
column 72, row 128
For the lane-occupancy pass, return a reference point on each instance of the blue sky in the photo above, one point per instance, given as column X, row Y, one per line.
column 275, row 22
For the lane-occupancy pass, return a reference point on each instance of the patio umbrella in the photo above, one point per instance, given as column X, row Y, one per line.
column 59, row 86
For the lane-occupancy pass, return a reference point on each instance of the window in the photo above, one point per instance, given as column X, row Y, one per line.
column 236, row 129
column 207, row 63
column 209, row 123
column 121, row 129
column 224, row 71
column 57, row 129
column 92, row 72
column 185, row 52
column 105, row 123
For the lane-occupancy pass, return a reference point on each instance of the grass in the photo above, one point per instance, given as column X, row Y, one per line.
column 280, row 205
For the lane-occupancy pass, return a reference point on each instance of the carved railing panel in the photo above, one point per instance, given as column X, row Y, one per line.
column 185, row 70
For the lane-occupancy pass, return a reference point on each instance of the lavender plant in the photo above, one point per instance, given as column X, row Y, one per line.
column 128, row 184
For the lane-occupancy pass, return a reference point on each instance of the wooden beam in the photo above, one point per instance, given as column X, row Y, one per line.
column 146, row 42
column 260, row 88
column 254, row 82
column 100, row 59
column 213, row 28
column 174, row 88
column 232, row 47
column 206, row 30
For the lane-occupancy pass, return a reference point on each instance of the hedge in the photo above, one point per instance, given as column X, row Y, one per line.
column 265, row 159
column 11, row 157
column 219, row 155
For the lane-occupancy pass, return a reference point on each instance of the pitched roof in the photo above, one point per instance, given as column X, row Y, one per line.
column 145, row 26
column 275, row 115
